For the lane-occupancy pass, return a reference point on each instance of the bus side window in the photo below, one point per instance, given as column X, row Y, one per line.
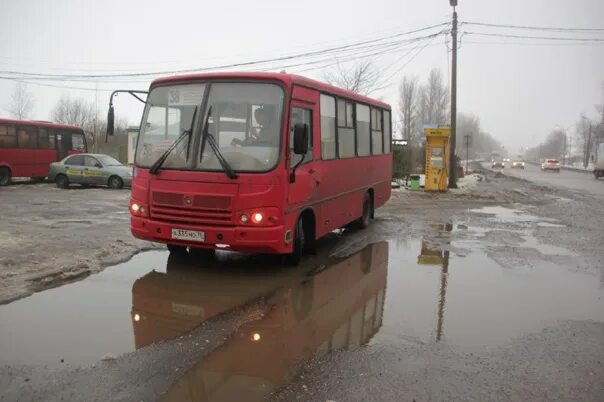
column 8, row 136
column 328, row 127
column 387, row 133
column 77, row 142
column 346, row 129
column 27, row 137
column 363, row 137
column 376, row 132
column 44, row 139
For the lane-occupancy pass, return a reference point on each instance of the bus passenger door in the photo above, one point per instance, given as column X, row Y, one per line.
column 61, row 145
column 305, row 187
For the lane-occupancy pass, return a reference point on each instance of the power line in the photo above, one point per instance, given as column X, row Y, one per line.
column 217, row 67
column 537, row 28
column 355, row 57
column 533, row 43
column 386, row 82
column 557, row 38
column 54, row 86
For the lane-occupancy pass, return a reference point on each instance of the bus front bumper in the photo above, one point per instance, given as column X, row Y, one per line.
column 269, row 240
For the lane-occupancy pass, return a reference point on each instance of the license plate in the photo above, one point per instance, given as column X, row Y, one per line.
column 194, row 235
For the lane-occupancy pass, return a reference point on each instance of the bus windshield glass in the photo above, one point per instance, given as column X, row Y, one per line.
column 169, row 111
column 244, row 119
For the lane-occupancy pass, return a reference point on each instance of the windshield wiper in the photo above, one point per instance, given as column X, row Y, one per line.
column 186, row 133
column 212, row 141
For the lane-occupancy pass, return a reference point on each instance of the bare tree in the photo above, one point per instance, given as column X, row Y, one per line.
column 584, row 134
column 408, row 94
column 21, row 103
column 77, row 112
column 82, row 113
column 362, row 78
column 434, row 100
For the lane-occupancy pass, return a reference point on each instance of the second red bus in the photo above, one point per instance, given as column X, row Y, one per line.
column 27, row 148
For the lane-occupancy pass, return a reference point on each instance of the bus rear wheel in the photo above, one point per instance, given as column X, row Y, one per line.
column 5, row 177
column 365, row 219
column 62, row 181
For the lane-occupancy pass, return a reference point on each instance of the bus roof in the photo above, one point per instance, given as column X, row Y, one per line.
column 47, row 124
column 287, row 79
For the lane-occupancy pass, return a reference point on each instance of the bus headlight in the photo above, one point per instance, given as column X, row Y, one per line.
column 257, row 217
column 260, row 217
column 138, row 209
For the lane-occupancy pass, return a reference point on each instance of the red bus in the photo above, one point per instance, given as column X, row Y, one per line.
column 27, row 148
column 257, row 162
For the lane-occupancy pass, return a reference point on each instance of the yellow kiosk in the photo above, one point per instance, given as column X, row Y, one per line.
column 437, row 158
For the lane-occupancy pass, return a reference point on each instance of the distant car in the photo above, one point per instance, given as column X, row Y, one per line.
column 517, row 165
column 90, row 169
column 551, row 164
column 506, row 159
column 498, row 164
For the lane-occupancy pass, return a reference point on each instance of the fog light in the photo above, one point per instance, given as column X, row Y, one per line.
column 142, row 209
column 257, row 217
column 243, row 218
column 255, row 337
column 135, row 207
column 137, row 317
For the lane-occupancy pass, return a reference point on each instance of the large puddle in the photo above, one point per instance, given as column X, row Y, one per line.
column 417, row 289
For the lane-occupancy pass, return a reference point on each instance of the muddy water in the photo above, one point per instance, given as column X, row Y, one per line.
column 441, row 286
column 78, row 323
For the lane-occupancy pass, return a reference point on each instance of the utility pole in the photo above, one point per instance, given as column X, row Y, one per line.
column 453, row 162
column 467, row 144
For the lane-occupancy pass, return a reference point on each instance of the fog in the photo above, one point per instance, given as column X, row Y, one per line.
column 520, row 88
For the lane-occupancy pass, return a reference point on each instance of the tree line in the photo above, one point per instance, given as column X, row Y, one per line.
column 580, row 147
column 73, row 111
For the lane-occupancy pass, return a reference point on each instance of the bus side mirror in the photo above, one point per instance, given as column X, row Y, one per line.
column 110, row 120
column 300, row 139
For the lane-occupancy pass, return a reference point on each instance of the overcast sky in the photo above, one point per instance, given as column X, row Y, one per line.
column 519, row 92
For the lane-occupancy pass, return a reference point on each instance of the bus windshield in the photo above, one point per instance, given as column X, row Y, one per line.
column 243, row 118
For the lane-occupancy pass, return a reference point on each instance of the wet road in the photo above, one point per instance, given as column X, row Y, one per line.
column 584, row 182
column 455, row 285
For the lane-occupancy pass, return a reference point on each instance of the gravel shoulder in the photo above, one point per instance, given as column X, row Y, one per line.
column 70, row 234
column 50, row 236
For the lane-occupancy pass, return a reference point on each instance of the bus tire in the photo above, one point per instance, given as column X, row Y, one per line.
column 299, row 240
column 5, row 177
column 201, row 253
column 176, row 249
column 365, row 219
column 115, row 182
column 62, row 181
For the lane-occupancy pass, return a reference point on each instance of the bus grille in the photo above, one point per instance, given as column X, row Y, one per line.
column 192, row 210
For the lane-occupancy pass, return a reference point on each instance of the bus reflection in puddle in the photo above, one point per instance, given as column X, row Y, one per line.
column 305, row 315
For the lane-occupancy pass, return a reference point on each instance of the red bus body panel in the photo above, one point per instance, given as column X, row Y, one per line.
column 210, row 202
column 34, row 162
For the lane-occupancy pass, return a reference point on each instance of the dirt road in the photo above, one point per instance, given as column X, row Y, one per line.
column 490, row 292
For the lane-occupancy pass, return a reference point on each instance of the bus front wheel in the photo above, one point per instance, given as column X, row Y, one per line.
column 4, row 176
column 176, row 249
column 299, row 240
